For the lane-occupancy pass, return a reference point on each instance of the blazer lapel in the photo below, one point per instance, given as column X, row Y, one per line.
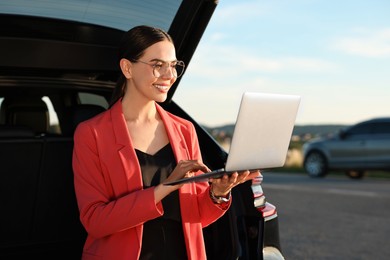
column 177, row 142
column 175, row 137
column 125, row 149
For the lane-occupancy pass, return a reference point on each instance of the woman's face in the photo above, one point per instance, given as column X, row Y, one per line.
column 154, row 82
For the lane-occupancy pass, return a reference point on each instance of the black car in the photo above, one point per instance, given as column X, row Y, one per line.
column 58, row 68
column 359, row 148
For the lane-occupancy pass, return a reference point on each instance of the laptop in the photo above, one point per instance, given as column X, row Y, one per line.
column 261, row 136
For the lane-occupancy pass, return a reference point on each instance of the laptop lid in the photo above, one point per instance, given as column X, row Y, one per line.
column 261, row 136
column 262, row 132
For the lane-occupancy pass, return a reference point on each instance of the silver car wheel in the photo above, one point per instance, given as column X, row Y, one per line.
column 315, row 164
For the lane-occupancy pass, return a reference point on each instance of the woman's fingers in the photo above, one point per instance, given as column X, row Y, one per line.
column 227, row 182
column 248, row 175
column 187, row 168
column 192, row 166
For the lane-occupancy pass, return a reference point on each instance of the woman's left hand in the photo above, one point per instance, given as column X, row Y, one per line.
column 222, row 186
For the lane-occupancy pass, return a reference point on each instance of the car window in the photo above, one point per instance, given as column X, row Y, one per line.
column 115, row 14
column 53, row 118
column 381, row 128
column 92, row 99
column 360, row 129
column 1, row 115
column 370, row 128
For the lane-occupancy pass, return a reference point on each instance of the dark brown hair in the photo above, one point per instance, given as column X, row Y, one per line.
column 132, row 47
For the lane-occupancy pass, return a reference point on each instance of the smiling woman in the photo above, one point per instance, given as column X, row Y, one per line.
column 66, row 54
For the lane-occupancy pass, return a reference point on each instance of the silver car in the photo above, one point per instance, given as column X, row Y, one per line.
column 356, row 149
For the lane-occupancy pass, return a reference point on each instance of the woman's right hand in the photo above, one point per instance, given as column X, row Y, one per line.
column 184, row 169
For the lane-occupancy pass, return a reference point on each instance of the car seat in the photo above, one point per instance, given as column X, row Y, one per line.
column 26, row 111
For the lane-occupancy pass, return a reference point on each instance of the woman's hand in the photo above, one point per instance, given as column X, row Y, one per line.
column 222, row 186
column 184, row 169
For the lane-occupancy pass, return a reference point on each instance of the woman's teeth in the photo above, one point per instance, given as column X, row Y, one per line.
column 161, row 87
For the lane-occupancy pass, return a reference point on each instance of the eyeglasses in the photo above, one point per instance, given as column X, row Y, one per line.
column 161, row 67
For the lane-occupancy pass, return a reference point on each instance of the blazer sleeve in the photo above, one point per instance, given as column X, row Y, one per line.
column 102, row 211
column 209, row 212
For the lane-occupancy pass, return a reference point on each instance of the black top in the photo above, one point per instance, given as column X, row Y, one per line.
column 163, row 236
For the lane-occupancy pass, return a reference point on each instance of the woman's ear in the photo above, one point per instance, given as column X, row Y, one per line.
column 125, row 68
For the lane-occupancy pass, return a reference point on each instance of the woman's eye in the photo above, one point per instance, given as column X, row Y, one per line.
column 158, row 65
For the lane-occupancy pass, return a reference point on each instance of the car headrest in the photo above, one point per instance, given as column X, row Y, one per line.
column 26, row 111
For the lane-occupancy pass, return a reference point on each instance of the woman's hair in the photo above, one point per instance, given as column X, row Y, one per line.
column 132, row 47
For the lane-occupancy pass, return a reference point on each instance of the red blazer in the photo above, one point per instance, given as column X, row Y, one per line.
column 112, row 202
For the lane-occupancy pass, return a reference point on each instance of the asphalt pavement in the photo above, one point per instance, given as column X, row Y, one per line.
column 331, row 218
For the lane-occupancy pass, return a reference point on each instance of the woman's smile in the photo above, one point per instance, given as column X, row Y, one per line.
column 163, row 88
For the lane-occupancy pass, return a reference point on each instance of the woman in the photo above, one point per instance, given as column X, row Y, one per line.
column 123, row 157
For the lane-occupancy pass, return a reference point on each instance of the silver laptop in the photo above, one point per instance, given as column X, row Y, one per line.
column 261, row 137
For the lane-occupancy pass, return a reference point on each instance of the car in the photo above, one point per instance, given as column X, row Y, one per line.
column 356, row 149
column 58, row 68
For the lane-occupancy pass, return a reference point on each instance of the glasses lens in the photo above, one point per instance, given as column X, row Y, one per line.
column 176, row 69
column 179, row 68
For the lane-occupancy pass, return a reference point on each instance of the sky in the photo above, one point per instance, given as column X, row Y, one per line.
column 335, row 54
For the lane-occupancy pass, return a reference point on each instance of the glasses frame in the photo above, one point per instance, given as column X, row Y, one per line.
column 174, row 72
